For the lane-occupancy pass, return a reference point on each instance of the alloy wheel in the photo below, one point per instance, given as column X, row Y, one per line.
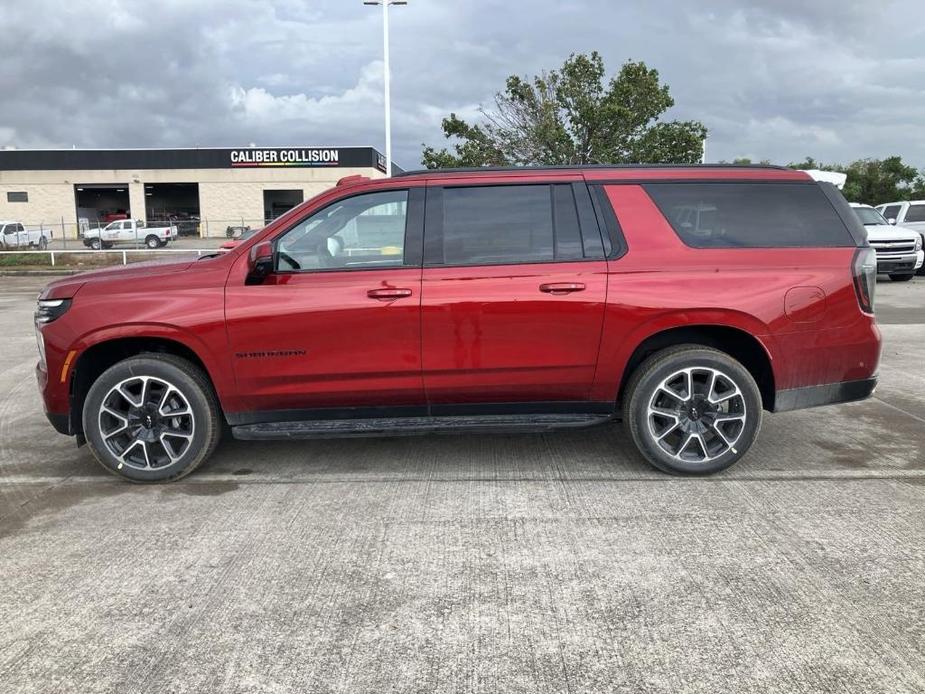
column 697, row 414
column 146, row 423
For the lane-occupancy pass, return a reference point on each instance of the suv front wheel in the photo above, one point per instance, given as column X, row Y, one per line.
column 152, row 418
column 692, row 410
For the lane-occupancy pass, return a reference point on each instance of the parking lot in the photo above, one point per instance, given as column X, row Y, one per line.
column 529, row 563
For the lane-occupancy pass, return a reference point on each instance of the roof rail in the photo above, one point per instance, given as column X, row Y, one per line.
column 580, row 167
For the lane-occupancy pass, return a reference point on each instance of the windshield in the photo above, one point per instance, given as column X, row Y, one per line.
column 869, row 216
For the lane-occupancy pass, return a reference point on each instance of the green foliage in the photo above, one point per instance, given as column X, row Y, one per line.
column 569, row 116
column 745, row 161
column 874, row 181
column 12, row 259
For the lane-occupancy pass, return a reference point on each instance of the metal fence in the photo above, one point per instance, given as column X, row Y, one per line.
column 66, row 235
column 126, row 255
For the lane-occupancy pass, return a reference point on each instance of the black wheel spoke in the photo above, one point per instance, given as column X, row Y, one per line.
column 697, row 414
column 146, row 422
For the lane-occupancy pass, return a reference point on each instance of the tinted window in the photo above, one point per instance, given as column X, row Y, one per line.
column 365, row 231
column 915, row 213
column 891, row 211
column 750, row 215
column 565, row 224
column 17, row 196
column 497, row 224
column 485, row 225
column 869, row 216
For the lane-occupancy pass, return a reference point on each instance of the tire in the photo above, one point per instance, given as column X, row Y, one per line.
column 151, row 241
column 666, row 440
column 132, row 438
column 901, row 278
column 96, row 244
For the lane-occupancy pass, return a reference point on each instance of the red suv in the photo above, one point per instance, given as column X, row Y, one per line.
column 684, row 300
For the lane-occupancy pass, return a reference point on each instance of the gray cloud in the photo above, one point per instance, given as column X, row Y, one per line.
column 776, row 79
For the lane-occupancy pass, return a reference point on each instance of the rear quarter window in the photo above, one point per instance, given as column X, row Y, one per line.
column 750, row 215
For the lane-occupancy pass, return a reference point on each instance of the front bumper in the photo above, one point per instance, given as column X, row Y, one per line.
column 895, row 263
column 61, row 422
column 828, row 394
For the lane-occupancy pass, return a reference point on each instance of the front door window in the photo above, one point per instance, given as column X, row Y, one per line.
column 363, row 232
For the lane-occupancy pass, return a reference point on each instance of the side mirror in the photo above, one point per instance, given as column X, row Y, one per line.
column 260, row 261
column 892, row 220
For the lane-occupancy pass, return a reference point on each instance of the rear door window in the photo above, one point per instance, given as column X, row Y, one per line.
column 506, row 224
column 750, row 215
column 915, row 213
column 891, row 211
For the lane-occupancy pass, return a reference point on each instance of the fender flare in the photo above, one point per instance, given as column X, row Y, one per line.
column 163, row 331
column 612, row 362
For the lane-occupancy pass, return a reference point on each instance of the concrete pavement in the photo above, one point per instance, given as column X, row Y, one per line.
column 550, row 563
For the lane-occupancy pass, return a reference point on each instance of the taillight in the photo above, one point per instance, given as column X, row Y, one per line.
column 865, row 277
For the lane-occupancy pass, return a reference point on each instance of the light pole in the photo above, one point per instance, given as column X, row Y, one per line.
column 385, row 69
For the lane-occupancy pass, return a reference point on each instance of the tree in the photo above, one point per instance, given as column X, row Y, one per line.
column 738, row 161
column 569, row 116
column 874, row 181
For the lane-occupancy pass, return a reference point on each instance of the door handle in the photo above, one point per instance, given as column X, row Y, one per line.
column 388, row 294
column 562, row 287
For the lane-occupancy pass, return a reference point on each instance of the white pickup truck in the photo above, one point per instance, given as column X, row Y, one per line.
column 909, row 214
column 129, row 231
column 899, row 250
column 15, row 235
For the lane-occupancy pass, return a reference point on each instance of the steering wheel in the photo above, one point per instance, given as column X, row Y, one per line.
column 282, row 255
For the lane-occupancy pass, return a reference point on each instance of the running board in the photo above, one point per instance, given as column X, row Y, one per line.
column 415, row 426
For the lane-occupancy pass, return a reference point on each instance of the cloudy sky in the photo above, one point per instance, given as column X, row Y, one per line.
column 775, row 79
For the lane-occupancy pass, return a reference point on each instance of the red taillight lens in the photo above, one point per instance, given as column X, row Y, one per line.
column 865, row 277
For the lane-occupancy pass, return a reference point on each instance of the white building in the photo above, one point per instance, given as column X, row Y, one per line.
column 203, row 190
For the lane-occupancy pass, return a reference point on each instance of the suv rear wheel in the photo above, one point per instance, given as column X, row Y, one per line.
column 152, row 418
column 692, row 410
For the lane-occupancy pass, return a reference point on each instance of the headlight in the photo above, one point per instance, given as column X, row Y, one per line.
column 40, row 341
column 918, row 243
column 49, row 310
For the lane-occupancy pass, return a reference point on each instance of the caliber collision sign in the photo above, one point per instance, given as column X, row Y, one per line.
column 285, row 157
column 191, row 158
